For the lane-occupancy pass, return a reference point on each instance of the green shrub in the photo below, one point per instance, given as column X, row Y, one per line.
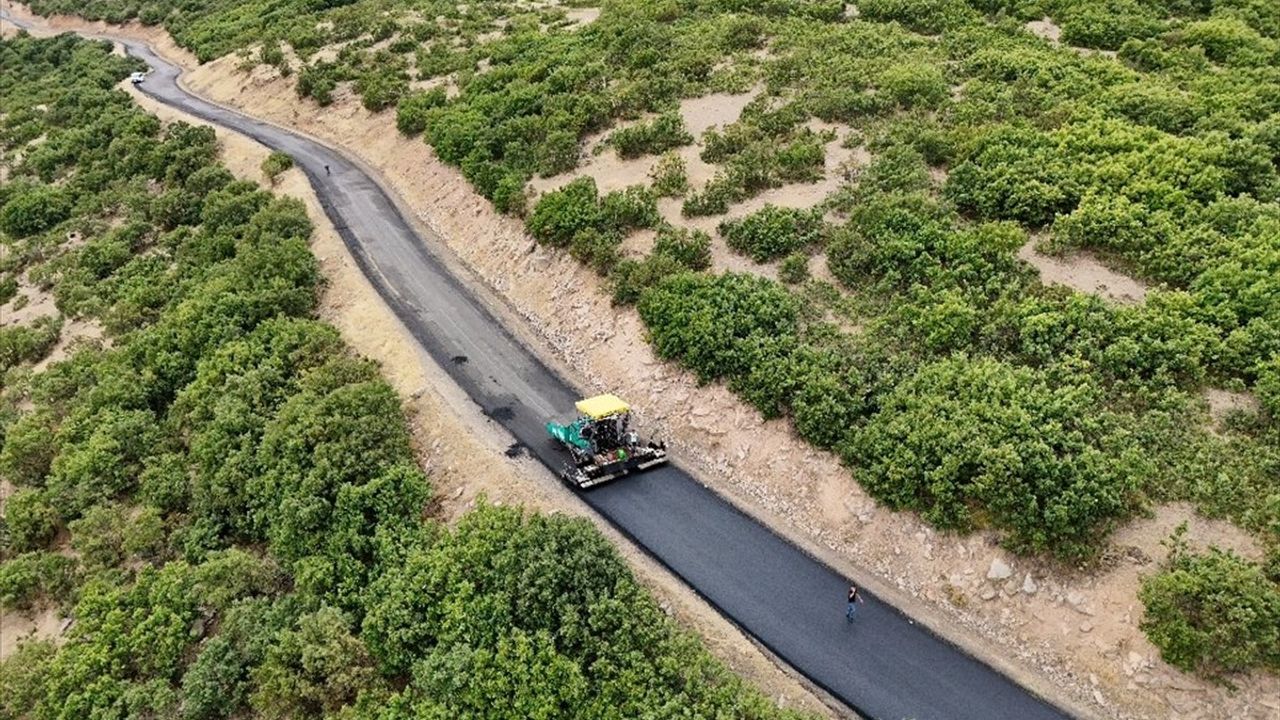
column 652, row 138
column 1229, row 40
column 713, row 199
column 318, row 82
column 597, row 249
column 380, row 89
column 312, row 670
column 271, row 54
column 925, row 16
column 28, row 449
column 1213, row 613
column 794, row 269
column 30, row 578
column 710, row 323
column 670, row 178
column 509, row 196
column 31, row 519
column 634, row 207
column 966, row 439
column 276, row 163
column 98, row 536
column 772, row 232
column 561, row 214
column 8, row 288
column 413, row 109
column 690, row 248
column 913, row 85
column 629, row 278
column 1107, row 24
column 28, row 343
column 33, row 210
column 22, row 676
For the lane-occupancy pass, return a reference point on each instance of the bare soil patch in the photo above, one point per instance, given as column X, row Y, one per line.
column 75, row 334
column 1046, row 29
column 1223, row 403
column 1082, row 271
column 17, row 628
column 582, row 16
column 39, row 303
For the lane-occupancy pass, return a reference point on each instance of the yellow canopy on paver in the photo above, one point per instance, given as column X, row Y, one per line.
column 602, row 406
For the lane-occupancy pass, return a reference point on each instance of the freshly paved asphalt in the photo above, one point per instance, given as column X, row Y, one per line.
column 883, row 665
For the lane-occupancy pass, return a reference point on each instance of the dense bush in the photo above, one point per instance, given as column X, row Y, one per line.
column 630, row 277
column 709, row 323
column 960, row 440
column 561, row 214
column 650, row 138
column 670, row 176
column 31, row 578
column 689, row 248
column 276, row 163
column 34, row 210
column 772, row 232
column 794, row 268
column 413, row 108
column 1213, row 613
column 634, row 207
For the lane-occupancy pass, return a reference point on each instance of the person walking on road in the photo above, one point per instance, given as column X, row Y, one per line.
column 855, row 597
column 326, row 169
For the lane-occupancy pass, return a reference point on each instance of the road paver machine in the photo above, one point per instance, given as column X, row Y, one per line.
column 602, row 443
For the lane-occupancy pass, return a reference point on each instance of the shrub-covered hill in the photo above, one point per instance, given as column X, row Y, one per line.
column 1146, row 132
column 223, row 497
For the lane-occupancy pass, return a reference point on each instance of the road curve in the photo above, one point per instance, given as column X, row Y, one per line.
column 883, row 665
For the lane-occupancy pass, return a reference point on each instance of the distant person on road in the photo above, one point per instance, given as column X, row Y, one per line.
column 326, row 169
column 855, row 597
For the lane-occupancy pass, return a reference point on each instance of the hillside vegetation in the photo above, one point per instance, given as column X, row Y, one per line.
column 1146, row 132
column 224, row 498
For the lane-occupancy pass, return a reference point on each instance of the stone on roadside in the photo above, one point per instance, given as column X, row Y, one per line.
column 1029, row 585
column 999, row 570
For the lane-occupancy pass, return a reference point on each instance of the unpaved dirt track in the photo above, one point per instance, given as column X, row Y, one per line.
column 883, row 665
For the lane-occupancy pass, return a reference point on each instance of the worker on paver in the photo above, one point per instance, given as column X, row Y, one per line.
column 855, row 597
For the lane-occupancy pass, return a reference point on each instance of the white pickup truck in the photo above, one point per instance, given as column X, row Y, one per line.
column 137, row 78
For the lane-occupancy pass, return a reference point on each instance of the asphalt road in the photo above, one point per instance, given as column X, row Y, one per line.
column 883, row 665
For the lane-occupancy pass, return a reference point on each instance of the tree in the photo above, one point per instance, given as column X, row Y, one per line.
column 312, row 669
column 561, row 214
column 275, row 163
column 963, row 439
column 33, row 210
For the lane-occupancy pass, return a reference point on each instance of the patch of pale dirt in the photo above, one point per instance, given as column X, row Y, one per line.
column 1046, row 29
column 1223, row 403
column 714, row 111
column 467, row 456
column 582, row 16
column 40, row 303
column 75, row 334
column 1081, row 271
column 17, row 628
column 936, row 577
column 6, row 489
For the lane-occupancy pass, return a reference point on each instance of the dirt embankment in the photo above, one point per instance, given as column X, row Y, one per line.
column 1069, row 635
